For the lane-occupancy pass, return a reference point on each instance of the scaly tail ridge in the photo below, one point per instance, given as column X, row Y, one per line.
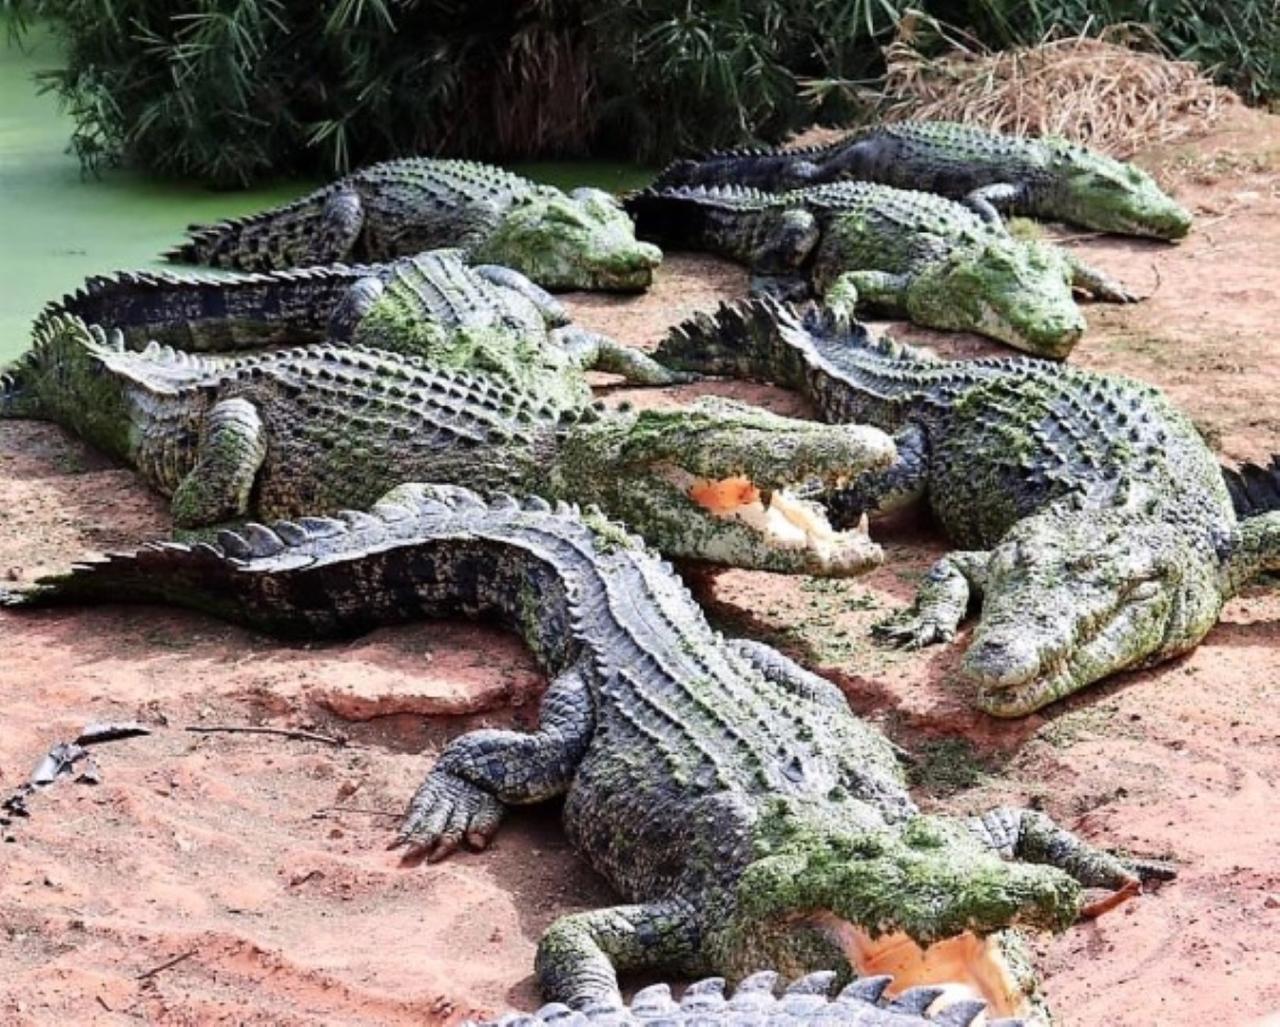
column 268, row 241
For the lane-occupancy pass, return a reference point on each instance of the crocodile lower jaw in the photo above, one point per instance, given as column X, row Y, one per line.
column 784, row 521
column 970, row 967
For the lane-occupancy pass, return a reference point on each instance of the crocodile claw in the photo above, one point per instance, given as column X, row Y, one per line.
column 912, row 631
column 1148, row 870
column 445, row 812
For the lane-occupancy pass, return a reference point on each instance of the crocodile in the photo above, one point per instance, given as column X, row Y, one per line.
column 743, row 813
column 580, row 240
column 1095, row 526
column 805, row 1001
column 323, row 426
column 906, row 252
column 434, row 304
column 1047, row 178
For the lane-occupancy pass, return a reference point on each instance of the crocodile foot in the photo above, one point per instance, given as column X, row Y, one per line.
column 912, row 630
column 445, row 811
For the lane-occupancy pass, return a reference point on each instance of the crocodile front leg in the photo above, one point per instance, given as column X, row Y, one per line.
column 340, row 225
column 989, row 200
column 874, row 288
column 784, row 672
column 355, row 303
column 1257, row 550
column 231, row 450
column 463, row 796
column 1033, row 837
column 595, row 352
column 1100, row 285
column 941, row 602
column 581, row 954
column 778, row 260
column 551, row 309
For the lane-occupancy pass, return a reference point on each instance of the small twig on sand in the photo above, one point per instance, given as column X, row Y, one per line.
column 361, row 809
column 1155, row 269
column 148, row 974
column 1202, row 225
column 236, row 729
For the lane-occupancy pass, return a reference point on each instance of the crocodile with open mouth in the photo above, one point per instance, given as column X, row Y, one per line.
column 990, row 172
column 319, row 427
column 741, row 810
column 397, row 208
column 1094, row 523
column 910, row 253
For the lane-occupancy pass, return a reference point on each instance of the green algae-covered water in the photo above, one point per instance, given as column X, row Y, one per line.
column 57, row 226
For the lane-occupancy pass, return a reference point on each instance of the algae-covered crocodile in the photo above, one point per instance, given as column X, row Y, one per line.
column 746, row 817
column 1047, row 178
column 911, row 253
column 1094, row 523
column 398, row 208
column 753, row 1003
column 315, row 428
column 435, row 305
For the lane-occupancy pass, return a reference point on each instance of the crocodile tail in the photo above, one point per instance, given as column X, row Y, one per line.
column 211, row 312
column 420, row 551
column 758, row 339
column 1255, row 490
column 273, row 239
column 751, row 167
column 849, row 374
column 688, row 217
column 808, row 1000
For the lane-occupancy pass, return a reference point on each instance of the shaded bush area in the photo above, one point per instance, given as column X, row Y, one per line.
column 231, row 91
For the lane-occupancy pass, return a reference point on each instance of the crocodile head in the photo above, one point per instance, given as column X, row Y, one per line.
column 582, row 241
column 928, row 903
column 1014, row 291
column 719, row 481
column 1112, row 196
column 1074, row 595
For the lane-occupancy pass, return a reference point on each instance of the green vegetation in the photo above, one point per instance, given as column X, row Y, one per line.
column 61, row 226
column 947, row 766
column 235, row 91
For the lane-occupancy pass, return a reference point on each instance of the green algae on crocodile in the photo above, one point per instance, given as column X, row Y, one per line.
column 1094, row 523
column 433, row 305
column 397, row 208
column 1046, row 178
column 745, row 816
column 910, row 253
column 321, row 427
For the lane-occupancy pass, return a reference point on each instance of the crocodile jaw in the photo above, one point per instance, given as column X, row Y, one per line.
column 968, row 966
column 783, row 521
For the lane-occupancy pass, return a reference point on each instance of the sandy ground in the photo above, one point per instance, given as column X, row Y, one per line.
column 233, row 878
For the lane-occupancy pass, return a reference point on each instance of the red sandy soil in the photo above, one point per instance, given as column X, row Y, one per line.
column 257, row 862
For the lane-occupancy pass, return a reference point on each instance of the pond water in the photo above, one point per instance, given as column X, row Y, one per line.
column 58, row 226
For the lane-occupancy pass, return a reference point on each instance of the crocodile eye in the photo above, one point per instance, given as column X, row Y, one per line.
column 564, row 215
column 1143, row 591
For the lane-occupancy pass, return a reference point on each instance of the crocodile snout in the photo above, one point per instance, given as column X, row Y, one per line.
column 1002, row 663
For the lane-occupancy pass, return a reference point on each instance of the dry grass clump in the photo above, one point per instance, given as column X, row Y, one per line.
column 1093, row 90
